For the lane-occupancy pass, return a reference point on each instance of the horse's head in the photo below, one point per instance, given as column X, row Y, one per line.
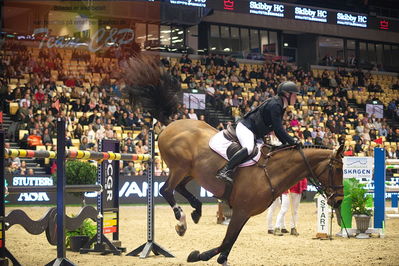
column 332, row 179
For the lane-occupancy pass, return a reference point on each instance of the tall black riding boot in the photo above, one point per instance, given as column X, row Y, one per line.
column 226, row 173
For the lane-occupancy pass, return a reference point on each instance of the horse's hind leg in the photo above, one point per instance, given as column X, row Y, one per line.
column 167, row 192
column 194, row 202
column 237, row 222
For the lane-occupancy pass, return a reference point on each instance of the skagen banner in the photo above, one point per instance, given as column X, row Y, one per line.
column 132, row 190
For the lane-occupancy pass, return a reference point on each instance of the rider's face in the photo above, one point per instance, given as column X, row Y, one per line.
column 292, row 99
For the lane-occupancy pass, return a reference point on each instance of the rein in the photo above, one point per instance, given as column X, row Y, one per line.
column 313, row 179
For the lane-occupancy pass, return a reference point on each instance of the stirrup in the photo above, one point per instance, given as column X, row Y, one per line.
column 224, row 174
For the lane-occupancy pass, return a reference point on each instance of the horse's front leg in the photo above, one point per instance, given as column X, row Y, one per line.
column 237, row 222
column 194, row 202
column 167, row 192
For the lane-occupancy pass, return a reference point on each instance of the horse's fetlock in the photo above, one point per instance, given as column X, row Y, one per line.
column 177, row 211
column 222, row 259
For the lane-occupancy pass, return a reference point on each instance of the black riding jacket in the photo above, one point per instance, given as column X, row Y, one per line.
column 267, row 118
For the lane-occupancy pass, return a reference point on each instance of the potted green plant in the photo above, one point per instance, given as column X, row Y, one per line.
column 80, row 173
column 360, row 203
column 76, row 239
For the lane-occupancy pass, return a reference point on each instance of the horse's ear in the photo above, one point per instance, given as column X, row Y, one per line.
column 340, row 151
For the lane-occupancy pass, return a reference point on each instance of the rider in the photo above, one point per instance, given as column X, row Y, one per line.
column 260, row 122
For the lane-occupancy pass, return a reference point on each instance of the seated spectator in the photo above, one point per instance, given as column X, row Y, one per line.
column 68, row 140
column 139, row 147
column 83, row 120
column 192, row 114
column 130, row 147
column 47, row 138
column 109, row 133
column 185, row 59
column 91, row 135
column 23, row 112
column 84, row 144
column 25, row 100
column 391, row 153
column 349, row 151
column 358, row 147
column 295, row 122
column 34, row 139
column 39, row 96
column 318, row 140
column 129, row 170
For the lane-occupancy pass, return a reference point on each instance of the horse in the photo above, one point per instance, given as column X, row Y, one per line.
column 184, row 146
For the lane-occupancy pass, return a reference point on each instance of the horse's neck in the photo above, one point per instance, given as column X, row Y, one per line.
column 286, row 168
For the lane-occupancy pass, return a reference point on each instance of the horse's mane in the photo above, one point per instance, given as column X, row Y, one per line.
column 321, row 147
column 285, row 148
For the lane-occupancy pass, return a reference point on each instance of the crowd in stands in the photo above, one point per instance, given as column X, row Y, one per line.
column 38, row 85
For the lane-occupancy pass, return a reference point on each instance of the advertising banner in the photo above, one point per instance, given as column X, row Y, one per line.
column 132, row 190
column 358, row 167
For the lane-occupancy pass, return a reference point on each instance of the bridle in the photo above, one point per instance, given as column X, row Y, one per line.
column 329, row 190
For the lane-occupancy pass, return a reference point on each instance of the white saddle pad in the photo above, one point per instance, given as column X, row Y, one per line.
column 219, row 144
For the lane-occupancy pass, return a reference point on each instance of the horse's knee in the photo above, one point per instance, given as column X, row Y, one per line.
column 162, row 190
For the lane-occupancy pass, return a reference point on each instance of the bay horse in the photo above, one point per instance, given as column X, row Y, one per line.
column 184, row 146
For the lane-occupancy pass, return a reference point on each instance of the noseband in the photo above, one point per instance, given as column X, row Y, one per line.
column 328, row 191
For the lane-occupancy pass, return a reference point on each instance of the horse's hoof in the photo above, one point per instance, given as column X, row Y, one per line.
column 194, row 256
column 180, row 229
column 195, row 215
column 222, row 259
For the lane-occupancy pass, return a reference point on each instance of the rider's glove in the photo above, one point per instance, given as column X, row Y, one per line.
column 298, row 144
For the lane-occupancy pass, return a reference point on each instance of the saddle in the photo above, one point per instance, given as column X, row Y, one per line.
column 230, row 134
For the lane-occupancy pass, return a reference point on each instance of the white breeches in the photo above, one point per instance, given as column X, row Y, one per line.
column 285, row 204
column 270, row 211
column 246, row 137
column 295, row 199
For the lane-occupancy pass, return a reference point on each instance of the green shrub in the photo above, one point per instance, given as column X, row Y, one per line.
column 360, row 200
column 88, row 228
column 80, row 173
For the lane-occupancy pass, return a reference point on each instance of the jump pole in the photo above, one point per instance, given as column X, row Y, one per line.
column 61, row 182
column 4, row 252
column 107, row 205
column 379, row 191
column 145, row 249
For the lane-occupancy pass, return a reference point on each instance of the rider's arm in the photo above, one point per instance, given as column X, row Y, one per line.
column 278, row 128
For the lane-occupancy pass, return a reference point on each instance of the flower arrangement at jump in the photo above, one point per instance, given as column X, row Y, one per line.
column 361, row 203
column 360, row 199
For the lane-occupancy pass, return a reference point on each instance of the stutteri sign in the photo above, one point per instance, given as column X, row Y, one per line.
column 358, row 167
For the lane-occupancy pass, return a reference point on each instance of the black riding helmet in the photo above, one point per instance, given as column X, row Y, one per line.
column 287, row 86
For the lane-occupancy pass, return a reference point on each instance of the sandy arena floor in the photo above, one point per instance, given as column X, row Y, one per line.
column 253, row 247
